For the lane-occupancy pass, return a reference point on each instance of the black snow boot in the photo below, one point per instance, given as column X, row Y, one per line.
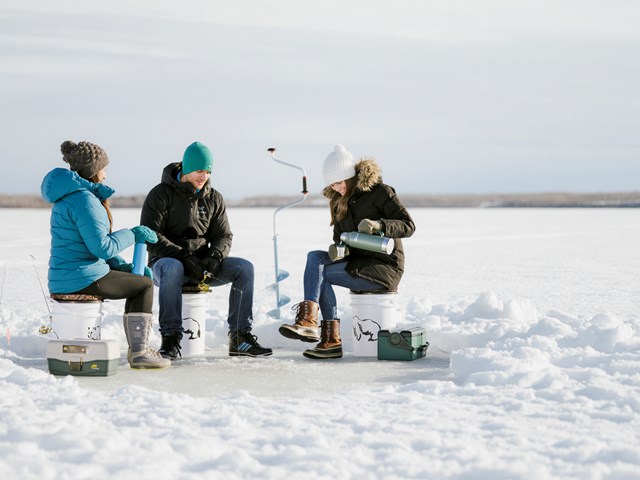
column 246, row 344
column 170, row 347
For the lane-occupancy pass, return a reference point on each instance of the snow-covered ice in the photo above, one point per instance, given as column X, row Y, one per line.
column 532, row 372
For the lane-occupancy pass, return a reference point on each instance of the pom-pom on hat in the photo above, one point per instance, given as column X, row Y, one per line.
column 338, row 166
column 196, row 157
column 85, row 158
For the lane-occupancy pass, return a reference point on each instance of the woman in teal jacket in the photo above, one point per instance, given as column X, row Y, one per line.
column 84, row 249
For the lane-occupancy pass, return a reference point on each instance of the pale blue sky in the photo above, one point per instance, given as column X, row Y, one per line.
column 450, row 96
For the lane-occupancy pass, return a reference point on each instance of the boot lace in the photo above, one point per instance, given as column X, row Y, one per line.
column 154, row 353
column 302, row 310
column 250, row 338
column 171, row 345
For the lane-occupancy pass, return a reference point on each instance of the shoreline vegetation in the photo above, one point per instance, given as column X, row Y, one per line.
column 488, row 200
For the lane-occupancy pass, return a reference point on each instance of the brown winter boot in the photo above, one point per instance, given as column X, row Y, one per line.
column 305, row 327
column 330, row 346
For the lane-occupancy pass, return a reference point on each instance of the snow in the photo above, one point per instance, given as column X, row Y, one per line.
column 532, row 371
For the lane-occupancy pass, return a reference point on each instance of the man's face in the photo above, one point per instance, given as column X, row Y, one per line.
column 197, row 178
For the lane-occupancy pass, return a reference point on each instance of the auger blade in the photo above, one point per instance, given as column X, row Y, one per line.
column 282, row 274
column 282, row 301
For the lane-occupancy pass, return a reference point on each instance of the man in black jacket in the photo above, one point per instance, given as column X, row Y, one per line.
column 194, row 240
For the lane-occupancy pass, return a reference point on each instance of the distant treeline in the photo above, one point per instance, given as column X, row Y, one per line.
column 520, row 200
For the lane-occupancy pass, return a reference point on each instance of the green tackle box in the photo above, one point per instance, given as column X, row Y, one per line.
column 83, row 358
column 409, row 344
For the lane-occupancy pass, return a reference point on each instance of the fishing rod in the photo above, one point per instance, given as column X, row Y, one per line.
column 280, row 275
column 44, row 329
column 4, row 274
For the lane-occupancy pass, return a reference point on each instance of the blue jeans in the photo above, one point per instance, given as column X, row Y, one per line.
column 168, row 274
column 321, row 273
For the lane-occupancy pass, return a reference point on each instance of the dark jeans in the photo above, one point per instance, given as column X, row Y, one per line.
column 168, row 274
column 115, row 285
column 321, row 273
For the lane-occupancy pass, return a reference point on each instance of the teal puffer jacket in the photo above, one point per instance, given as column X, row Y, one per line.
column 81, row 246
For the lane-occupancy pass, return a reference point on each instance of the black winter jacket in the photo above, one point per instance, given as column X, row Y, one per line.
column 187, row 222
column 374, row 200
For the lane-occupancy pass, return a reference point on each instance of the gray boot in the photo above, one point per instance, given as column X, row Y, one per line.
column 137, row 327
column 126, row 333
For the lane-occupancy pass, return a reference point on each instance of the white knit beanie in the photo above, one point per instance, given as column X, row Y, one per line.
column 338, row 166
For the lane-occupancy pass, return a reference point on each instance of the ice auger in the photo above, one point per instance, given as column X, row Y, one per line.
column 280, row 275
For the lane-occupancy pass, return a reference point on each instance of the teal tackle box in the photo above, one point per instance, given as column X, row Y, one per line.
column 409, row 344
column 84, row 358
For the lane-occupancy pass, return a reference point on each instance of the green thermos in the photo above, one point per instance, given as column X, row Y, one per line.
column 364, row 241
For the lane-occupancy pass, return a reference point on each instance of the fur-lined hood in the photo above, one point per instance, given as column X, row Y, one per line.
column 368, row 175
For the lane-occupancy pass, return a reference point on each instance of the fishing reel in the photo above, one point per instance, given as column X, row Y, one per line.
column 203, row 286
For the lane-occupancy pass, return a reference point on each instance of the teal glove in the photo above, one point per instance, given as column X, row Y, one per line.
column 369, row 226
column 144, row 234
column 128, row 268
column 124, row 267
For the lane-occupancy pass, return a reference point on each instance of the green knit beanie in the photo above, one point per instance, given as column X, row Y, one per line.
column 196, row 157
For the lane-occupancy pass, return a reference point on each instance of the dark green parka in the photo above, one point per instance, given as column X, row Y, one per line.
column 187, row 222
column 374, row 200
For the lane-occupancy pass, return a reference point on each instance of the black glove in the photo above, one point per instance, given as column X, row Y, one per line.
column 193, row 269
column 211, row 265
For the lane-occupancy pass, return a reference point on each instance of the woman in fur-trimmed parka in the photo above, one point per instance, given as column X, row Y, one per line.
column 358, row 201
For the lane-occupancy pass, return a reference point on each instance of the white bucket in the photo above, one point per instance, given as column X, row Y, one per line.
column 371, row 312
column 76, row 319
column 194, row 307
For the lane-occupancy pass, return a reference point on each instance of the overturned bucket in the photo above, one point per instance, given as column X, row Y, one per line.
column 371, row 312
column 76, row 316
column 194, row 308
